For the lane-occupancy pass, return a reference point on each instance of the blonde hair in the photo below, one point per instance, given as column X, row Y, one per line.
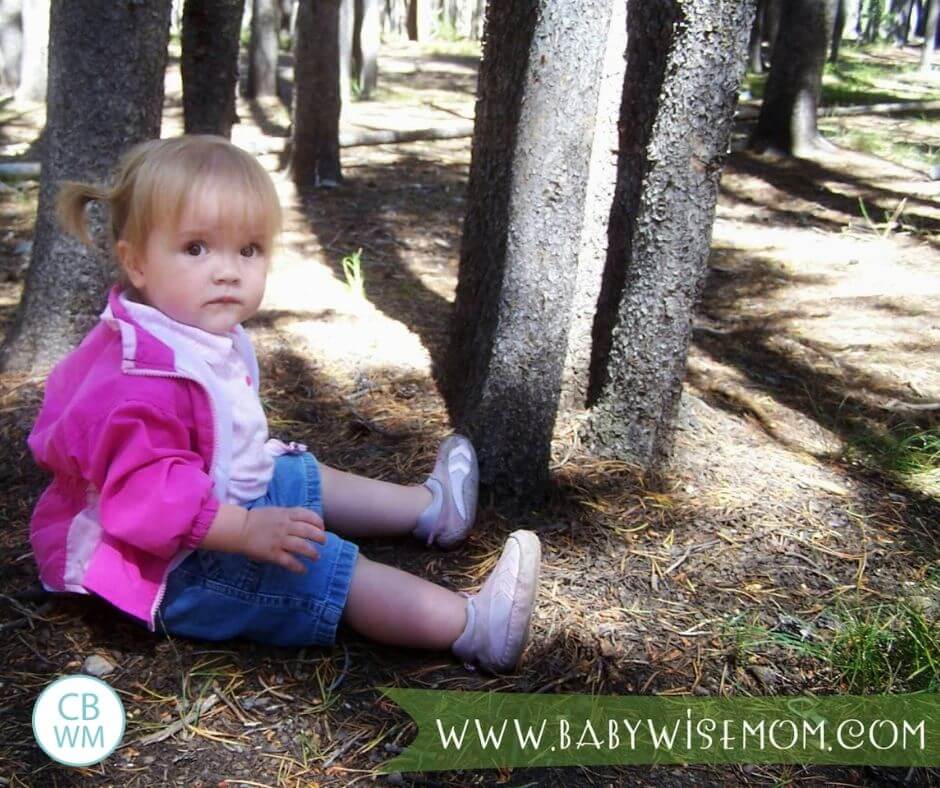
column 156, row 179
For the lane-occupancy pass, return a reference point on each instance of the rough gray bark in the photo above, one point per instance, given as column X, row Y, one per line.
column 315, row 140
column 106, row 67
column 34, row 64
column 787, row 122
column 209, row 64
column 263, row 48
column 592, row 256
column 685, row 61
column 366, row 40
column 535, row 110
column 930, row 34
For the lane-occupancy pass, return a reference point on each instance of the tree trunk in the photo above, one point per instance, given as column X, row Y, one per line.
column 315, row 141
column 538, row 87
column 106, row 68
column 873, row 26
column 263, row 48
column 755, row 62
column 592, row 256
column 787, row 120
column 366, row 40
column 209, row 65
column 347, row 11
column 930, row 34
column 34, row 64
column 11, row 44
column 420, row 20
column 685, row 62
column 837, row 30
column 772, row 11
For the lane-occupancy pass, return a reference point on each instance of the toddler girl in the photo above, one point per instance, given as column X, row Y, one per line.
column 168, row 499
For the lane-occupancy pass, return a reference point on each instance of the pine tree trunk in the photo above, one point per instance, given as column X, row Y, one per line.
column 106, row 68
column 930, row 34
column 315, row 141
column 366, row 40
column 209, row 64
column 592, row 256
column 347, row 11
column 11, row 44
column 685, row 61
column 755, row 62
column 263, row 48
column 538, row 88
column 787, row 122
column 837, row 31
column 34, row 66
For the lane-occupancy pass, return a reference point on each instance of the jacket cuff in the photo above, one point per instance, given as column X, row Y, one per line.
column 203, row 523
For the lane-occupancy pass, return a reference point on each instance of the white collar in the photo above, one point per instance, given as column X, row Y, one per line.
column 214, row 348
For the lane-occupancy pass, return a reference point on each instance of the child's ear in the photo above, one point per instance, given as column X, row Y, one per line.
column 130, row 262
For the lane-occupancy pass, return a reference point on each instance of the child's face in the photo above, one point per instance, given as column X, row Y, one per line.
column 206, row 272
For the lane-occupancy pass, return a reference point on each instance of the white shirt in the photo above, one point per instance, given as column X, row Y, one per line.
column 252, row 461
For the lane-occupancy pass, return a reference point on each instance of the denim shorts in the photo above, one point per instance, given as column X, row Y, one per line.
column 213, row 595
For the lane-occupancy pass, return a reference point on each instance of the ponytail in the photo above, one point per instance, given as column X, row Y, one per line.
column 71, row 202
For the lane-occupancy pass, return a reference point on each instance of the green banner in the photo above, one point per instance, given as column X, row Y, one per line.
column 481, row 730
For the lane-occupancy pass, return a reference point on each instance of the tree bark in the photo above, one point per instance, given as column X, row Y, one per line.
column 106, row 68
column 34, row 66
column 315, row 141
column 263, row 48
column 592, row 256
column 787, row 122
column 930, row 35
column 366, row 40
column 535, row 111
column 209, row 64
column 685, row 62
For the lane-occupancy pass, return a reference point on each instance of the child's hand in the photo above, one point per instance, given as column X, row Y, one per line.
column 274, row 533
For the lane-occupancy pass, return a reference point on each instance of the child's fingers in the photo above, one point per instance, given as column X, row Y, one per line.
column 302, row 547
column 288, row 562
column 299, row 514
column 308, row 531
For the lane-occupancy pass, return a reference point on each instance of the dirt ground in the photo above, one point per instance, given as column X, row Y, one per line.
column 816, row 323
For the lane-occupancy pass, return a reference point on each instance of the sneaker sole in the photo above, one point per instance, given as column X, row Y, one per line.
column 530, row 551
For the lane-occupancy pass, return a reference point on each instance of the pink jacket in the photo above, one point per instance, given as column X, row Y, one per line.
column 138, row 440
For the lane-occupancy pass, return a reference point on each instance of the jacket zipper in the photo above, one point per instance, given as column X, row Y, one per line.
column 215, row 454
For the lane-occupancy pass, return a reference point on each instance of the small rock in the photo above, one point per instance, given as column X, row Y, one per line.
column 395, row 778
column 700, row 690
column 98, row 666
column 934, row 173
column 148, row 759
column 23, row 248
column 765, row 675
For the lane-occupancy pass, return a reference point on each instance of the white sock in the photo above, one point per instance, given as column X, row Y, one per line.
column 429, row 516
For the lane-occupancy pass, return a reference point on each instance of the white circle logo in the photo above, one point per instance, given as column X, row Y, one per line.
column 78, row 720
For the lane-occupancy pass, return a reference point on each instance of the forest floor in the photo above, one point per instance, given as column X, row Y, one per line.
column 801, row 515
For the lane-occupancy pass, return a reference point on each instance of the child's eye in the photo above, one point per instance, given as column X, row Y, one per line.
column 251, row 250
column 195, row 248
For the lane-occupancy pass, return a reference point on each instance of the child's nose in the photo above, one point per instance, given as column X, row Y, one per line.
column 227, row 269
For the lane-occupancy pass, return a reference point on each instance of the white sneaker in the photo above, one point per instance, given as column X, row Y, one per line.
column 453, row 484
column 498, row 616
